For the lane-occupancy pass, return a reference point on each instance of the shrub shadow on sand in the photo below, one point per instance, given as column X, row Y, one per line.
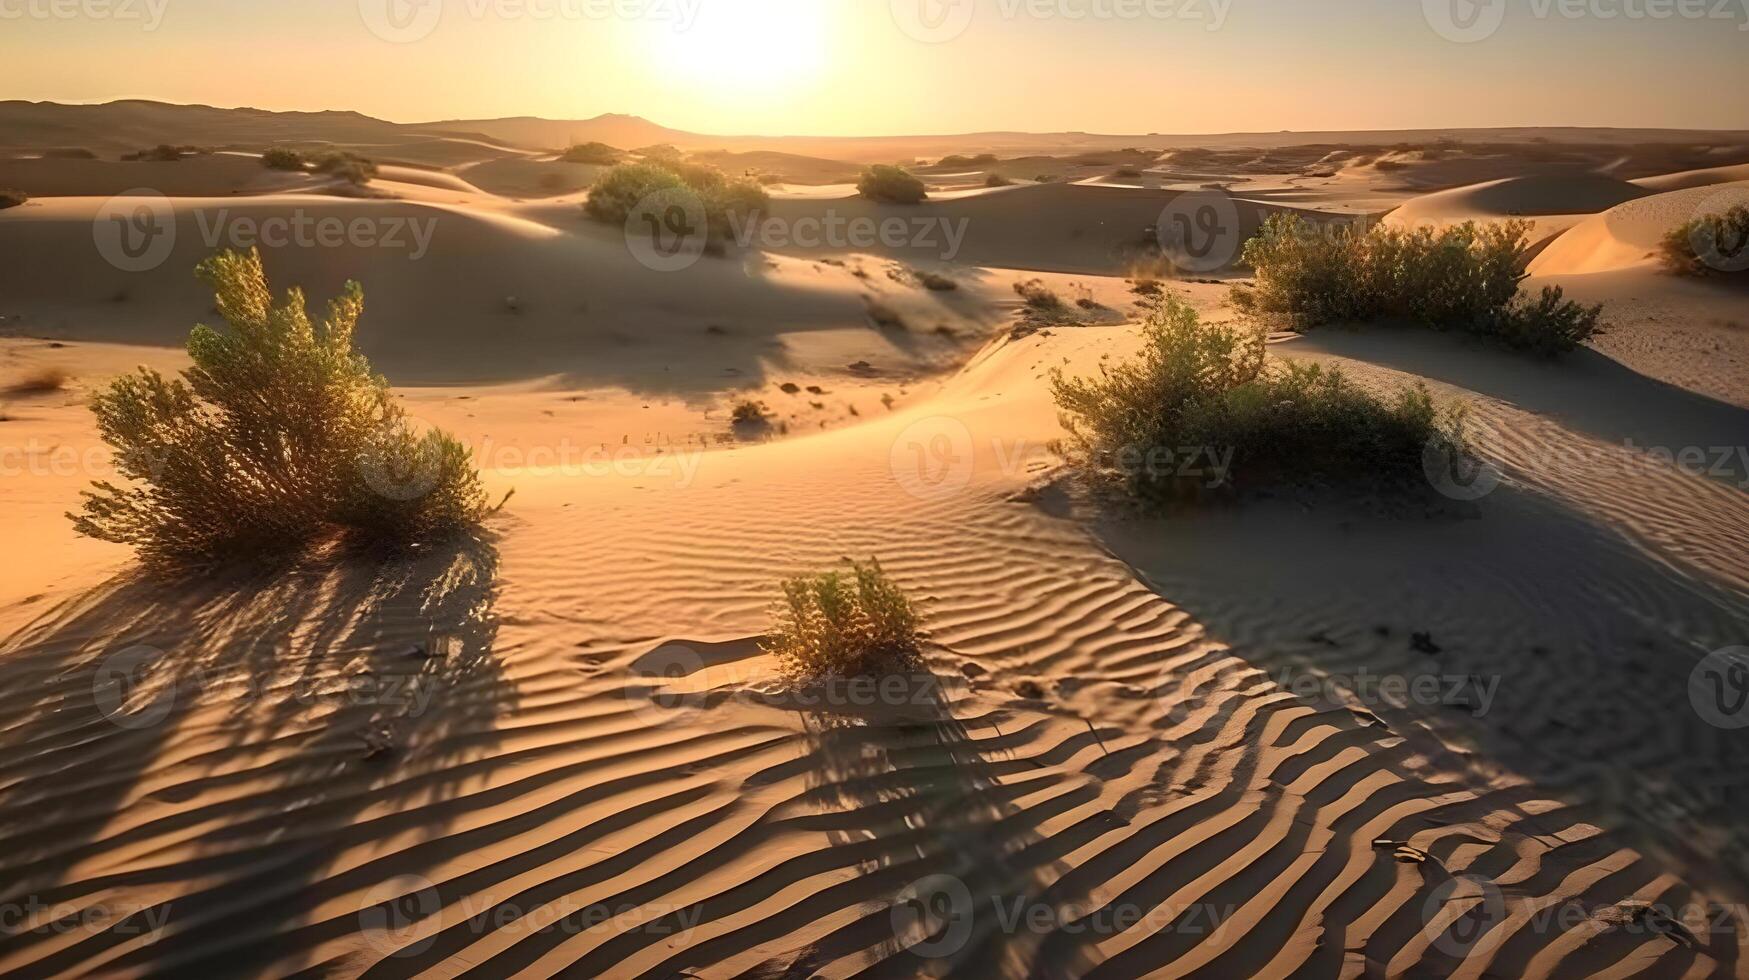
column 263, row 726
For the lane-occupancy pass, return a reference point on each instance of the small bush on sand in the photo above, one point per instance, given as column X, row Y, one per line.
column 722, row 200
column 282, row 158
column 1202, row 410
column 748, row 413
column 661, row 153
column 891, row 185
column 844, row 624
column 11, row 198
column 162, row 153
column 997, row 180
column 350, row 167
column 935, row 281
column 1709, row 245
column 1037, row 295
column 1461, row 278
column 278, row 438
column 597, row 153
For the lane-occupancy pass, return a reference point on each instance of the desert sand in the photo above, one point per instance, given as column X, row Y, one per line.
column 587, row 766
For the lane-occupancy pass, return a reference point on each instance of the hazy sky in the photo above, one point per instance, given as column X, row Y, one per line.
column 839, row 67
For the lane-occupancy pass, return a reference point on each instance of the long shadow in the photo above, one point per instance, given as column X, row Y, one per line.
column 234, row 734
column 1563, row 651
column 900, row 780
column 1586, row 391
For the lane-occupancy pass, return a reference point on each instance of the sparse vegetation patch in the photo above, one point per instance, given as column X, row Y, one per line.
column 1203, row 411
column 279, row 437
column 1464, row 278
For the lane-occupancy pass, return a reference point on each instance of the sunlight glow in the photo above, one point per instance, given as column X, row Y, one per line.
column 738, row 47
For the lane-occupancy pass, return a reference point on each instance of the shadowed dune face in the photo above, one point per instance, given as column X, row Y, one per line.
column 300, row 708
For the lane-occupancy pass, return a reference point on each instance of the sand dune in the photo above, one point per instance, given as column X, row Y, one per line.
column 569, row 756
column 1168, row 768
column 1629, row 235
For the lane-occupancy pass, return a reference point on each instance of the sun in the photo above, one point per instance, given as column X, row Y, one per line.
column 737, row 47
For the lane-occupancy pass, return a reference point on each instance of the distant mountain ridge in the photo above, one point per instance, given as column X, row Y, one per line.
column 133, row 124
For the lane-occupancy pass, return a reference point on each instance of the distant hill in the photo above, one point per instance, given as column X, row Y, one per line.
column 133, row 124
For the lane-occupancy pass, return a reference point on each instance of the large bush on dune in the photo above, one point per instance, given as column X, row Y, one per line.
column 283, row 158
column 1203, row 410
column 617, row 195
column 11, row 198
column 891, row 185
column 1710, row 245
column 1465, row 277
column 279, row 437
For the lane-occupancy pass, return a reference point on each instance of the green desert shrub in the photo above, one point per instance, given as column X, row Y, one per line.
column 1710, row 244
column 349, row 167
column 855, row 623
column 592, row 152
column 721, row 199
column 12, row 198
column 1203, row 410
column 277, row 439
column 1464, row 277
column 891, row 185
column 282, row 158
